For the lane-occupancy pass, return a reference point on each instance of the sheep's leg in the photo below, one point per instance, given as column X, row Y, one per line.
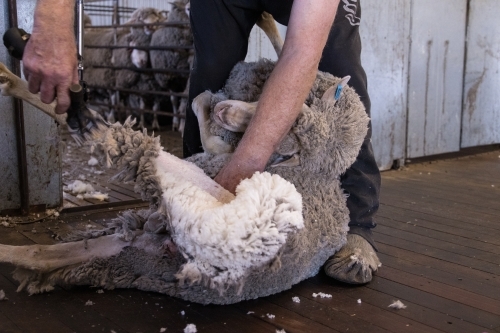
column 182, row 111
column 113, row 98
column 234, row 115
column 174, row 100
column 46, row 258
column 12, row 85
column 266, row 22
column 142, row 122
column 211, row 143
column 184, row 101
column 156, row 124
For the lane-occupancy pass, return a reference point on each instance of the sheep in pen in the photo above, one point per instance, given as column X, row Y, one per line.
column 131, row 70
column 197, row 241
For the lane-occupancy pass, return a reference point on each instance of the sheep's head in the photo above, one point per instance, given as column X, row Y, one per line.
column 148, row 16
column 180, row 10
column 138, row 57
column 317, row 139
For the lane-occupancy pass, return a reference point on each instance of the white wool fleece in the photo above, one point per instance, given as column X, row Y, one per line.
column 222, row 242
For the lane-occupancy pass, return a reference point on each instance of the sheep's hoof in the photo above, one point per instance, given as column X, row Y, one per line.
column 234, row 115
column 355, row 263
column 201, row 105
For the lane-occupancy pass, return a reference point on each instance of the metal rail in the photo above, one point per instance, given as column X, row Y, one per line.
column 19, row 123
column 144, row 70
column 159, row 48
column 126, row 108
column 178, row 24
column 140, row 92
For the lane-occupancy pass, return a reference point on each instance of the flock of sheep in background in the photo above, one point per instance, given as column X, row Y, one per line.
column 162, row 70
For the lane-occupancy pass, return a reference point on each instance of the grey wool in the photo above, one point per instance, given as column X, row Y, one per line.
column 147, row 251
column 172, row 59
column 99, row 57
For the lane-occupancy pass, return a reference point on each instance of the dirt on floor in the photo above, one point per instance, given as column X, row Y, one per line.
column 78, row 164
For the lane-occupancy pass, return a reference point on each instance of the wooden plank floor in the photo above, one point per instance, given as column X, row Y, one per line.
column 75, row 166
column 439, row 242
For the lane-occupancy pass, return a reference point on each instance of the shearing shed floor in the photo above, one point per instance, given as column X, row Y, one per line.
column 79, row 166
column 438, row 236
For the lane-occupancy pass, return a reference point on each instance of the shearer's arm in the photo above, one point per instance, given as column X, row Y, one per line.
column 285, row 90
column 49, row 60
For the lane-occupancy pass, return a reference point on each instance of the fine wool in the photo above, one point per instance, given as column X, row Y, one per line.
column 79, row 187
column 190, row 328
column 398, row 305
column 93, row 161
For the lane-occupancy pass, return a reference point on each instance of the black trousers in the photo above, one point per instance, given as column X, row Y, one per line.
column 221, row 29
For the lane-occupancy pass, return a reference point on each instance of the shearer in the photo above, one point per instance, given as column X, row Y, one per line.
column 321, row 34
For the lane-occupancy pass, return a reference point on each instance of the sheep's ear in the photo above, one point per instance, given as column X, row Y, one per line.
column 333, row 93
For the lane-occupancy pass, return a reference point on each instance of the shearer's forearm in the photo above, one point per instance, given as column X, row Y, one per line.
column 50, row 62
column 290, row 82
column 55, row 15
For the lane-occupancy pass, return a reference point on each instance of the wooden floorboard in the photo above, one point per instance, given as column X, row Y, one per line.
column 438, row 237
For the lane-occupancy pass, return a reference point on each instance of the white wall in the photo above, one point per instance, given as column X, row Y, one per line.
column 436, row 76
column 385, row 34
column 481, row 116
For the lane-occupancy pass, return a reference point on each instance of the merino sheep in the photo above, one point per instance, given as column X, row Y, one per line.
column 197, row 241
column 148, row 16
column 180, row 59
column 107, row 77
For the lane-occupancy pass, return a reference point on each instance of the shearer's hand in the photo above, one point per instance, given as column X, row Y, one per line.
column 49, row 60
column 234, row 172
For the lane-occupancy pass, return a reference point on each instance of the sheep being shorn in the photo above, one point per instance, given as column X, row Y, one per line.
column 197, row 241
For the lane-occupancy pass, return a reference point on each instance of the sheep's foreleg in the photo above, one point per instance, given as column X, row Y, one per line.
column 266, row 22
column 211, row 143
column 142, row 105
column 12, row 85
column 182, row 112
column 156, row 124
column 174, row 100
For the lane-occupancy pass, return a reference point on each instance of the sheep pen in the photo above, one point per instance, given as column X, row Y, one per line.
column 197, row 241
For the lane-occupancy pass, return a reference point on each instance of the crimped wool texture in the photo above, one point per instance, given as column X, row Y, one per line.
column 225, row 252
column 222, row 242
